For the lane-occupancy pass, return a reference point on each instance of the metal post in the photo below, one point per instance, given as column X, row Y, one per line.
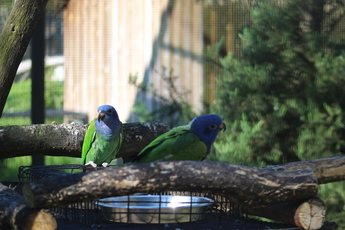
column 37, row 77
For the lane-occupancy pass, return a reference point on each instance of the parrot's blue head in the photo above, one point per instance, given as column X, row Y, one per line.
column 107, row 123
column 207, row 127
column 107, row 113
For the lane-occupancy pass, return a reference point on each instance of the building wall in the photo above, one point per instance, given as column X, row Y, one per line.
column 107, row 41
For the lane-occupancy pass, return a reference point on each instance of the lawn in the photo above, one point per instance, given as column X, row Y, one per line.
column 19, row 100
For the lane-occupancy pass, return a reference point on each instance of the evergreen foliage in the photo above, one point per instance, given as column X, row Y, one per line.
column 283, row 99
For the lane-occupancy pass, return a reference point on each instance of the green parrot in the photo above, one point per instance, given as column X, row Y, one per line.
column 188, row 142
column 103, row 138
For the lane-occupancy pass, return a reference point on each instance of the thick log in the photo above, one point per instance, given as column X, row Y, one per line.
column 306, row 214
column 251, row 187
column 67, row 139
column 14, row 214
column 14, row 39
column 326, row 170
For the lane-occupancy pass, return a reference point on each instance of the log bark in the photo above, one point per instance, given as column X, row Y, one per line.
column 14, row 214
column 14, row 39
column 251, row 187
column 67, row 139
column 306, row 214
column 326, row 170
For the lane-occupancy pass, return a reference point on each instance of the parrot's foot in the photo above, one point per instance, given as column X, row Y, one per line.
column 105, row 164
column 92, row 164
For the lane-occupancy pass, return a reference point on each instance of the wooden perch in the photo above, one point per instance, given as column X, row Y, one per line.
column 67, row 139
column 251, row 187
column 306, row 214
column 326, row 170
column 15, row 215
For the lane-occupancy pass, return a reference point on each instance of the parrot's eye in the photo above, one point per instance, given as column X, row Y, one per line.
column 109, row 111
column 213, row 126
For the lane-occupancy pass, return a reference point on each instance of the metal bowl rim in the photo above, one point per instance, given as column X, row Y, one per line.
column 206, row 201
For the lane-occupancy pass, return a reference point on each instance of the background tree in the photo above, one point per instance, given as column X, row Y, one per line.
column 283, row 101
column 286, row 92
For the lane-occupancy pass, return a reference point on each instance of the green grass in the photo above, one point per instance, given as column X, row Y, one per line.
column 14, row 121
column 9, row 167
column 19, row 100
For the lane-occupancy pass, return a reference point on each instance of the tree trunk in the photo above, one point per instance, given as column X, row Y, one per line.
column 326, row 170
column 251, row 187
column 306, row 214
column 67, row 139
column 14, row 39
column 15, row 215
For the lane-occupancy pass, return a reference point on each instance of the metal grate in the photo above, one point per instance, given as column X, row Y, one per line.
column 221, row 212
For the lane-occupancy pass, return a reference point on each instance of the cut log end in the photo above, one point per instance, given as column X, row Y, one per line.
column 310, row 214
column 39, row 220
column 16, row 215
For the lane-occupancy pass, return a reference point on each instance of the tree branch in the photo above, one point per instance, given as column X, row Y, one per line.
column 326, row 170
column 67, row 139
column 251, row 187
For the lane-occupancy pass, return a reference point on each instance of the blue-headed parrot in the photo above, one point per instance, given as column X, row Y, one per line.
column 188, row 142
column 103, row 138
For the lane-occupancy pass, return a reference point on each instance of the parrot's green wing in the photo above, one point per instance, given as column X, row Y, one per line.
column 177, row 144
column 88, row 139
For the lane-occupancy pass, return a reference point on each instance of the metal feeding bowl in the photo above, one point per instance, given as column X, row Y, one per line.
column 154, row 209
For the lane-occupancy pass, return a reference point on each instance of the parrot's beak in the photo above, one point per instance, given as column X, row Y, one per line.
column 222, row 126
column 101, row 116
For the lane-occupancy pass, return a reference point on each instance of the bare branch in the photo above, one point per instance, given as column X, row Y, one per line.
column 67, row 139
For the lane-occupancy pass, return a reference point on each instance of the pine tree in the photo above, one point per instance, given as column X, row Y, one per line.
column 284, row 98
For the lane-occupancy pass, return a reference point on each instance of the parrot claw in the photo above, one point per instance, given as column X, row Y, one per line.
column 92, row 164
column 104, row 164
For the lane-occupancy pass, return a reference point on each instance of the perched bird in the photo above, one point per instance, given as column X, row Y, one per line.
column 103, row 138
column 188, row 142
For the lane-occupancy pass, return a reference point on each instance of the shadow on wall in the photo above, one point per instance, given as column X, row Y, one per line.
column 173, row 108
